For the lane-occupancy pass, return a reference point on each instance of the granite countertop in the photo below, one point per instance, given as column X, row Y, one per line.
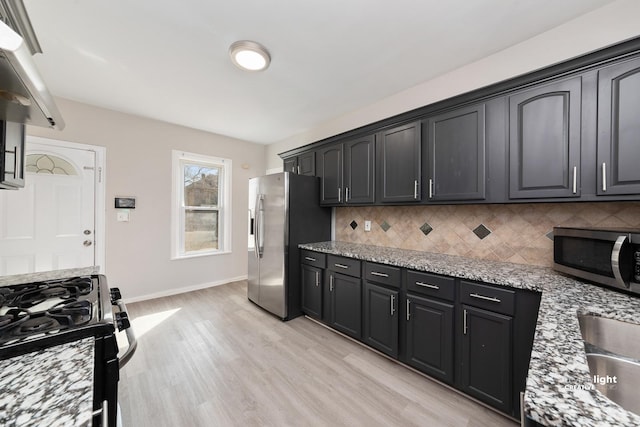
column 50, row 387
column 558, row 384
column 17, row 279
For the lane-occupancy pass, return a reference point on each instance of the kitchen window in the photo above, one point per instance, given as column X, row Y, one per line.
column 201, row 205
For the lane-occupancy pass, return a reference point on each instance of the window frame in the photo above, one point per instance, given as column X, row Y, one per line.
column 178, row 211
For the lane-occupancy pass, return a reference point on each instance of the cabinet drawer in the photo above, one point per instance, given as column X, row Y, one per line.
column 384, row 274
column 348, row 266
column 315, row 259
column 431, row 285
column 491, row 298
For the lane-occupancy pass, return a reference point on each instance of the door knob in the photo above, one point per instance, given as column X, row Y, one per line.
column 87, row 232
column 87, row 243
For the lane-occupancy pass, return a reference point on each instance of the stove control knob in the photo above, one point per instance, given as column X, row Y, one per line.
column 115, row 295
column 122, row 321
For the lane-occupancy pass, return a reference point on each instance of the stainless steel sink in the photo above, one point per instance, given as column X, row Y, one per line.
column 613, row 336
column 613, row 356
column 617, row 379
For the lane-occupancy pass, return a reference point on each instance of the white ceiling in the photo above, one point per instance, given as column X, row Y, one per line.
column 168, row 60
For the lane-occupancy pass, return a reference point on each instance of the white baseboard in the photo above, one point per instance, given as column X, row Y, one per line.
column 183, row 290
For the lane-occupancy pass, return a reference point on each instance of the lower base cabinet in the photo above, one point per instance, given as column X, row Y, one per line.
column 381, row 318
column 345, row 304
column 430, row 337
column 312, row 291
column 486, row 365
column 477, row 337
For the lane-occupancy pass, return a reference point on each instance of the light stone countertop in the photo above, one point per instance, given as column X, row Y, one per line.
column 558, row 366
column 18, row 279
column 51, row 387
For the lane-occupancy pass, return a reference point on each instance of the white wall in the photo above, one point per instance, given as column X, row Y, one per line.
column 602, row 27
column 139, row 164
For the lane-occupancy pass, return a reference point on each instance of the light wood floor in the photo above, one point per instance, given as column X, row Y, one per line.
column 212, row 358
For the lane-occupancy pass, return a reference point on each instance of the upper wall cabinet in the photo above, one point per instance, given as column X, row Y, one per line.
column 619, row 129
column 399, row 164
column 330, row 173
column 544, row 141
column 304, row 164
column 456, row 155
column 359, row 170
column 347, row 172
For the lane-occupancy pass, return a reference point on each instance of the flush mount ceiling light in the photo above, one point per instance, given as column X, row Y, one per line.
column 249, row 56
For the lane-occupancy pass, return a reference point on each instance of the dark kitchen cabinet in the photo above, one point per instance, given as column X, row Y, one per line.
column 398, row 154
column 312, row 291
column 303, row 164
column 456, row 154
column 381, row 318
column 430, row 336
column 486, row 356
column 330, row 173
column 545, row 141
column 486, row 347
column 381, row 293
column 11, row 155
column 618, row 153
column 344, row 296
column 359, row 170
column 347, row 172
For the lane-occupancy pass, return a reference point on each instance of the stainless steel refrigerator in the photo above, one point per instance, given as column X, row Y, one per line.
column 284, row 211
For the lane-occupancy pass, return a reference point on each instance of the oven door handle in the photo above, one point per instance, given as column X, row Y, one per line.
column 615, row 262
column 131, row 337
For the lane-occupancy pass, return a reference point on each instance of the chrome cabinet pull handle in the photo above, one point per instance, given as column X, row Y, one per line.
column 415, row 189
column 308, row 258
column 375, row 273
column 464, row 323
column 331, row 283
column 346, row 194
column 393, row 310
column 339, row 194
column 428, row 285
column 575, row 179
column 298, row 170
column 492, row 299
column 317, row 279
column 430, row 188
column 604, row 177
column 342, row 266
column 408, row 307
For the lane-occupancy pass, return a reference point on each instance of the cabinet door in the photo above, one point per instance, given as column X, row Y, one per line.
column 381, row 318
column 312, row 291
column 398, row 156
column 359, row 168
column 544, row 141
column 429, row 345
column 619, row 129
column 307, row 164
column 290, row 165
column 486, row 357
column 330, row 172
column 456, row 144
column 12, row 155
column 345, row 300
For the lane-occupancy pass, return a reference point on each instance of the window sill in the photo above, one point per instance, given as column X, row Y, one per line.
column 198, row 255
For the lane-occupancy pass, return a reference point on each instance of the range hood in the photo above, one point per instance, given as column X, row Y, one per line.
column 24, row 97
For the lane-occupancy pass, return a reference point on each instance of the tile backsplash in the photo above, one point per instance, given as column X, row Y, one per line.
column 520, row 233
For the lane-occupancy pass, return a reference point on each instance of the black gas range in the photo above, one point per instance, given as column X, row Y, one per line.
column 38, row 315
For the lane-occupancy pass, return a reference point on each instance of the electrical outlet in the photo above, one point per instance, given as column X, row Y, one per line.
column 367, row 226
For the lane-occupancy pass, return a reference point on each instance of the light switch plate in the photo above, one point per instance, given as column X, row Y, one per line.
column 367, row 226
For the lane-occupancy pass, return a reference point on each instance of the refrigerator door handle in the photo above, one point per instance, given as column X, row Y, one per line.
column 258, row 222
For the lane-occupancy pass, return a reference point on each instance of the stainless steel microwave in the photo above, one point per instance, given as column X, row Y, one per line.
column 609, row 257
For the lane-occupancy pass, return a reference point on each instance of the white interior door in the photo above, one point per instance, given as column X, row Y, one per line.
column 50, row 224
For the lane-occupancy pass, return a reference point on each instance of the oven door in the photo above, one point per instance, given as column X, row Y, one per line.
column 600, row 256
